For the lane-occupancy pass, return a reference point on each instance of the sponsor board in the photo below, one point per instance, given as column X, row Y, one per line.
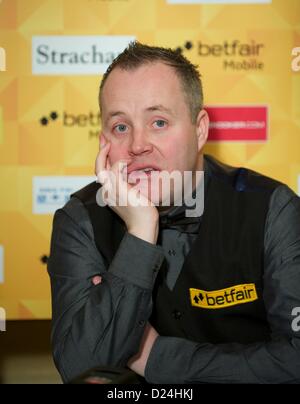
column 233, row 54
column 75, row 55
column 89, row 120
column 52, row 193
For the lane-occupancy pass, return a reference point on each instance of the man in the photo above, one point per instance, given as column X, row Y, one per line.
column 208, row 299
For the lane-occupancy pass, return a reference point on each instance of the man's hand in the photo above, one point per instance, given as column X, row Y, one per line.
column 97, row 280
column 139, row 361
column 141, row 221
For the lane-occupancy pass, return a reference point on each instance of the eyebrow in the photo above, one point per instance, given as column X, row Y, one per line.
column 113, row 114
column 153, row 108
column 159, row 107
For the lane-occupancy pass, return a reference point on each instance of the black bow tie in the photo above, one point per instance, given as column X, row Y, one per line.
column 176, row 218
column 180, row 222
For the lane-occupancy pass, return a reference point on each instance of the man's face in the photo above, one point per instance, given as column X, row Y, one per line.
column 145, row 117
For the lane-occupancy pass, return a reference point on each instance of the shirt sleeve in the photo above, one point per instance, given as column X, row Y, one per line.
column 175, row 360
column 97, row 325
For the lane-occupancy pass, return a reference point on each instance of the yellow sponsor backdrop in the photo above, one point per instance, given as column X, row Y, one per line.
column 28, row 149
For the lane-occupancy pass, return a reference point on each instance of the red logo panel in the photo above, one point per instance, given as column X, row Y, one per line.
column 238, row 123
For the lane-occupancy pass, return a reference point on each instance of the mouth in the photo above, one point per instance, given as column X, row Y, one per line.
column 141, row 173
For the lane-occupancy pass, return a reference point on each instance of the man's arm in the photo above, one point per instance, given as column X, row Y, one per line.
column 175, row 360
column 97, row 325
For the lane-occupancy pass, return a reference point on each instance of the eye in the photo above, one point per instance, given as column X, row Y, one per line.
column 121, row 128
column 160, row 123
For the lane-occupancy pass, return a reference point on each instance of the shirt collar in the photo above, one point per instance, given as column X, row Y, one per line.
column 175, row 218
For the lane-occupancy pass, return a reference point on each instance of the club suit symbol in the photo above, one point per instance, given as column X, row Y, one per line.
column 44, row 121
column 187, row 46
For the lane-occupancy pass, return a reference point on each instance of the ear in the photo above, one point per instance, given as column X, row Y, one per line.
column 202, row 127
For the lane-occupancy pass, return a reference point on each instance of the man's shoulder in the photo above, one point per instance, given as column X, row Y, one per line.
column 76, row 208
column 88, row 193
column 282, row 197
column 84, row 206
column 74, row 212
column 240, row 178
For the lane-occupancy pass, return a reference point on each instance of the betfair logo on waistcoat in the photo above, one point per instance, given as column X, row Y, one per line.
column 218, row 299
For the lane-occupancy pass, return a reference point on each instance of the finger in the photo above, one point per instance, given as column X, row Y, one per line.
column 101, row 159
column 108, row 165
column 102, row 140
column 97, row 280
column 120, row 169
column 120, row 165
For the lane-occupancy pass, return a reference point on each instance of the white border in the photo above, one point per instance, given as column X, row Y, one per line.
column 219, row 1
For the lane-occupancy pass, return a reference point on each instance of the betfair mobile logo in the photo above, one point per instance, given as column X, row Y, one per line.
column 219, row 299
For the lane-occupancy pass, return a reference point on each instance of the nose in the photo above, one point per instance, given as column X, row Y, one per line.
column 139, row 144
